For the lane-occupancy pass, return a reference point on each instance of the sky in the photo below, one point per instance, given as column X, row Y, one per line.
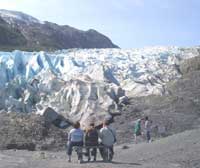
column 128, row 23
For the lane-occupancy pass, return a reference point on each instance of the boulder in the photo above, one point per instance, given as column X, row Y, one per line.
column 51, row 116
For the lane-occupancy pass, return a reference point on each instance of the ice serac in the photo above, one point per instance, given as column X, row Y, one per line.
column 86, row 84
column 82, row 99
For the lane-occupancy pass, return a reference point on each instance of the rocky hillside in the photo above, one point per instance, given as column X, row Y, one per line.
column 30, row 132
column 24, row 32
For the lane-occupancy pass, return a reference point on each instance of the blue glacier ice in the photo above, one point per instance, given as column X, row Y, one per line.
column 124, row 66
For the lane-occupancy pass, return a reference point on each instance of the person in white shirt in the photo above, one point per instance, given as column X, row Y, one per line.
column 107, row 138
column 75, row 138
column 147, row 126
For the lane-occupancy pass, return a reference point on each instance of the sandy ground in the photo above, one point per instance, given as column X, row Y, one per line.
column 177, row 151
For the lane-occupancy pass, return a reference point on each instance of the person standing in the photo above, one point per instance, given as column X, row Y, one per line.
column 137, row 130
column 91, row 140
column 147, row 126
column 107, row 138
column 75, row 138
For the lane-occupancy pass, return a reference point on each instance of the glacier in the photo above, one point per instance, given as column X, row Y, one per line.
column 86, row 83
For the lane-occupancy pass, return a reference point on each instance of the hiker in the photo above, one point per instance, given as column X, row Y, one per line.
column 91, row 140
column 137, row 129
column 107, row 138
column 75, row 138
column 147, row 126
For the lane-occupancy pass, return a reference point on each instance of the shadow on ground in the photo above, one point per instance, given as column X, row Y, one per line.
column 113, row 162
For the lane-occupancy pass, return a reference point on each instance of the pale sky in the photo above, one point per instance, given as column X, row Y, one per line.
column 128, row 23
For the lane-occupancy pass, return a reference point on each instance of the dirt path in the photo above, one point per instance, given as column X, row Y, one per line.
column 178, row 151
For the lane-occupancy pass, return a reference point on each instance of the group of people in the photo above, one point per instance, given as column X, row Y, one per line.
column 91, row 138
column 147, row 128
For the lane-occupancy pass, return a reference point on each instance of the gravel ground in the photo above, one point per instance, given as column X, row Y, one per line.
column 178, row 151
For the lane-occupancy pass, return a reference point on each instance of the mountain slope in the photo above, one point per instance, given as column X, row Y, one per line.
column 28, row 33
column 10, row 36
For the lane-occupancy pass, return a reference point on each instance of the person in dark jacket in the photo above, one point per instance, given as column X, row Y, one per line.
column 91, row 140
